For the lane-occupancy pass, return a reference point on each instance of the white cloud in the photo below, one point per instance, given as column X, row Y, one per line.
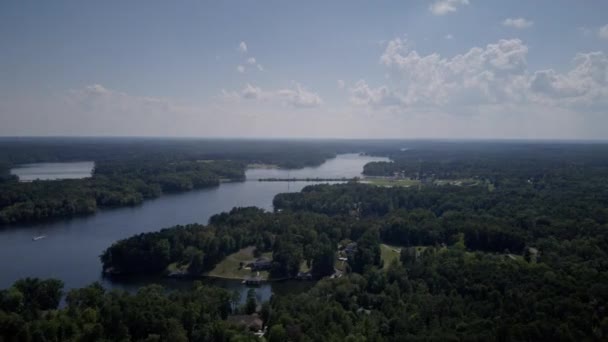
column 341, row 84
column 603, row 32
column 296, row 95
column 480, row 74
column 362, row 94
column 251, row 92
column 449, row 36
column 518, row 23
column 95, row 89
column 586, row 84
column 99, row 97
column 243, row 47
column 444, row 7
column 249, row 62
column 496, row 74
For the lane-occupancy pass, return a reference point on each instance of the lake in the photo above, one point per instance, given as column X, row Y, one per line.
column 71, row 250
column 53, row 171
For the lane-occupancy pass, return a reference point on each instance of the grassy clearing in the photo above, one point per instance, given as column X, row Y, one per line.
column 458, row 182
column 389, row 182
column 177, row 268
column 229, row 267
column 389, row 254
column 304, row 267
column 262, row 166
column 340, row 265
column 515, row 257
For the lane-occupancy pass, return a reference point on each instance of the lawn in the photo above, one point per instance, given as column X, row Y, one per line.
column 229, row 267
column 458, row 182
column 390, row 182
column 389, row 254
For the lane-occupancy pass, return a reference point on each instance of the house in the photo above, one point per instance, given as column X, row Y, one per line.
column 363, row 311
column 252, row 322
column 261, row 264
column 350, row 248
column 304, row 276
column 531, row 254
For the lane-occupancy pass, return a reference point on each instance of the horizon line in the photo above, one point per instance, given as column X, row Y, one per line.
column 513, row 139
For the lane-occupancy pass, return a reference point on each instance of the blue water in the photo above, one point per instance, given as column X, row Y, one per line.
column 53, row 171
column 71, row 249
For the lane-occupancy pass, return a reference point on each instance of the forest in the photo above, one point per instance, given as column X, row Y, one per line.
column 519, row 256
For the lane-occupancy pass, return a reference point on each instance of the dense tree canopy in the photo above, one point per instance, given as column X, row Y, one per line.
column 520, row 255
column 29, row 312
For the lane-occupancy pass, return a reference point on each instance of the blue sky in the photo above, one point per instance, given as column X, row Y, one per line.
column 398, row 69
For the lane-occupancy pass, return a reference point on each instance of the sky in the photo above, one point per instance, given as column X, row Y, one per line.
column 333, row 69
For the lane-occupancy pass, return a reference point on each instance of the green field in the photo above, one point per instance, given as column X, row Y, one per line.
column 389, row 254
column 458, row 182
column 389, row 182
column 229, row 267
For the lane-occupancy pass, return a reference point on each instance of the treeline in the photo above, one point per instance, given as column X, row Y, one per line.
column 495, row 161
column 284, row 153
column 510, row 216
column 29, row 312
column 113, row 184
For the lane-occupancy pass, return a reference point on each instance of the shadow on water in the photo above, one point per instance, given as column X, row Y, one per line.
column 263, row 292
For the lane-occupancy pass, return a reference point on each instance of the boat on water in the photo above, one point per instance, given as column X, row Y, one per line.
column 39, row 237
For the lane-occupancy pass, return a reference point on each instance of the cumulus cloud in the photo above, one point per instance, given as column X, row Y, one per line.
column 603, row 32
column 243, row 47
column 492, row 75
column 298, row 96
column 295, row 96
column 363, row 94
column 240, row 68
column 98, row 97
column 518, row 23
column 251, row 92
column 480, row 74
column 449, row 36
column 444, row 7
column 251, row 61
column 586, row 84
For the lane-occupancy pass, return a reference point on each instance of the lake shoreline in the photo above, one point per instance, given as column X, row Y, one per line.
column 73, row 244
